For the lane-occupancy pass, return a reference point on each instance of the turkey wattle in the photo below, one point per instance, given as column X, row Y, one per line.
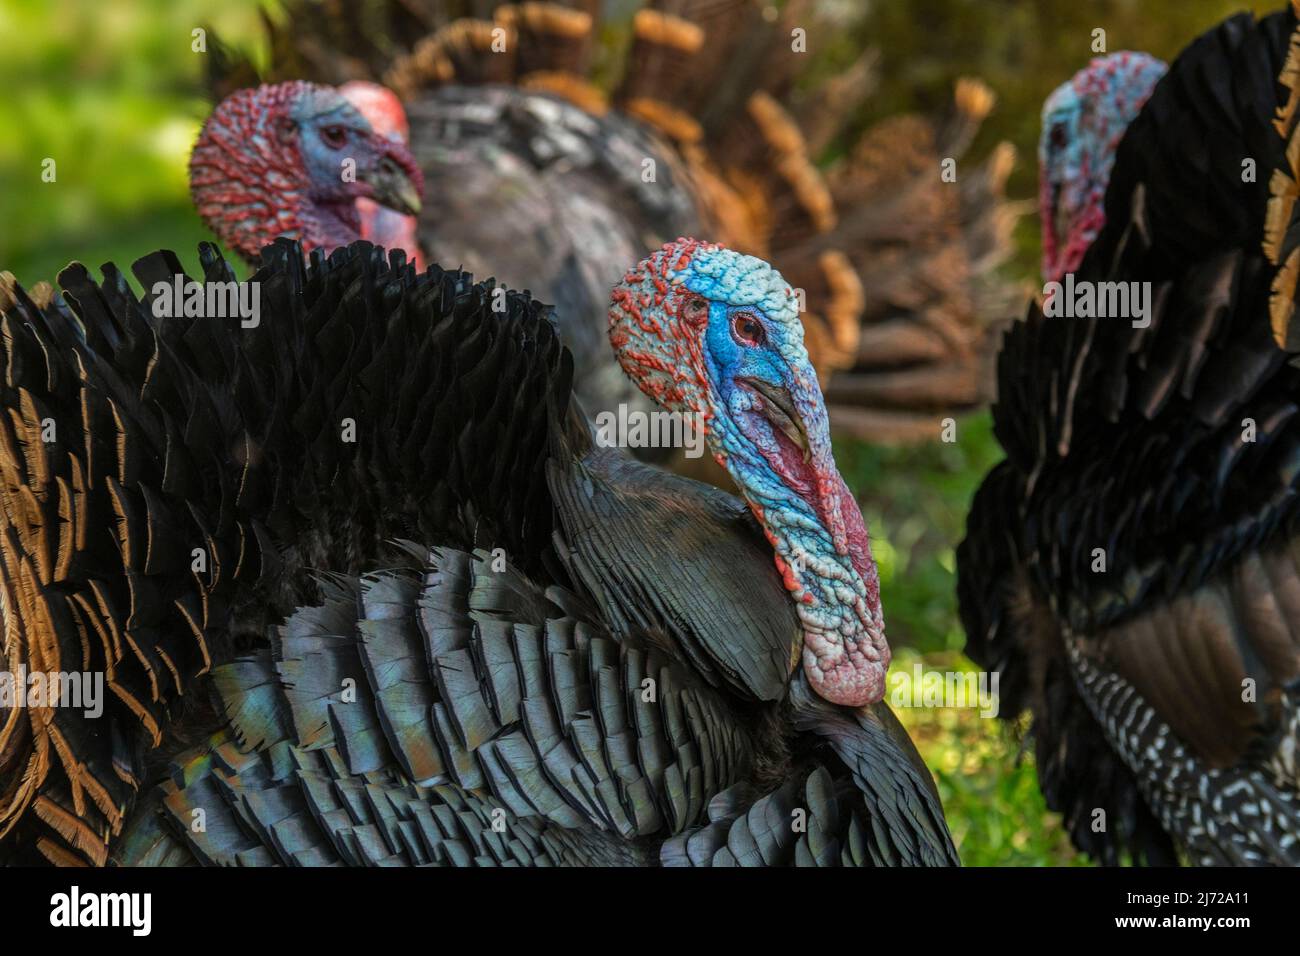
column 1132, row 570
column 604, row 655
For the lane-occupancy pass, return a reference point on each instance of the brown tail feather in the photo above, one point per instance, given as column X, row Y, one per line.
column 926, row 251
column 553, row 37
column 1280, row 228
column 538, row 45
column 766, row 164
column 972, row 103
column 838, row 100
column 833, row 332
column 694, row 64
column 664, row 49
column 569, row 86
column 465, row 51
column 331, row 41
column 897, row 267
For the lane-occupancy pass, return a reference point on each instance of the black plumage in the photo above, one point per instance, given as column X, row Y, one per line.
column 429, row 626
column 1164, row 685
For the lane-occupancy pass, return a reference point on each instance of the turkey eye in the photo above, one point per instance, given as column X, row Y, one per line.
column 1058, row 136
column 334, row 136
column 747, row 329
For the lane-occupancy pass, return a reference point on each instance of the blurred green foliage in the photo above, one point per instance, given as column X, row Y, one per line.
column 915, row 499
column 988, row 787
column 112, row 91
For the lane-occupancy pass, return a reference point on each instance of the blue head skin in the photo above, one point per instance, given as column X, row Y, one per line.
column 292, row 159
column 706, row 331
column 1083, row 122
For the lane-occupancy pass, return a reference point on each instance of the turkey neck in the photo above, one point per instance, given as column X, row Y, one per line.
column 329, row 224
column 822, row 550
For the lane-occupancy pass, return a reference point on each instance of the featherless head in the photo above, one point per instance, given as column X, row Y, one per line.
column 380, row 224
column 381, row 108
column 1083, row 122
column 710, row 332
column 292, row 159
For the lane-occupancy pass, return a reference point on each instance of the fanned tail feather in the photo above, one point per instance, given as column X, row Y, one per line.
column 899, row 320
column 1281, row 242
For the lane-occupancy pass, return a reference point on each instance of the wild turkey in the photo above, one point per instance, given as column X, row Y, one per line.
column 568, row 657
column 1132, row 570
column 534, row 169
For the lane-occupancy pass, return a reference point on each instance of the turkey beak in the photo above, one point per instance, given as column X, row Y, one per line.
column 780, row 410
column 393, row 188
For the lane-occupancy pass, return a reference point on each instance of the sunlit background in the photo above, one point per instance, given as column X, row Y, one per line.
column 112, row 92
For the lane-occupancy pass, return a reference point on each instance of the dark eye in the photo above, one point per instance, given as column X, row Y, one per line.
column 334, row 136
column 746, row 329
column 1058, row 136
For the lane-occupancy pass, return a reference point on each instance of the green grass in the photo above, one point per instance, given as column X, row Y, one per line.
column 915, row 500
column 989, row 788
